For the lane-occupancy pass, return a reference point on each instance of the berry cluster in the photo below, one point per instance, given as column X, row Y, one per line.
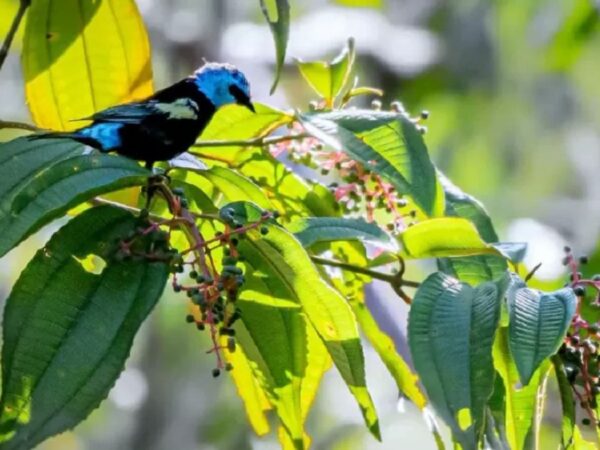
column 214, row 288
column 146, row 242
column 213, row 297
column 579, row 351
column 360, row 191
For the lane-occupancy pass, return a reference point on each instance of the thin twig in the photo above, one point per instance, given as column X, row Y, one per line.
column 18, row 125
column 23, row 5
column 390, row 278
column 254, row 142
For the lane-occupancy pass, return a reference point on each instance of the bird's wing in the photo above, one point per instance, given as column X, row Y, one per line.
column 135, row 113
column 132, row 113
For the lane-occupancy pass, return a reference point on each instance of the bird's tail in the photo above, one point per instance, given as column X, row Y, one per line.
column 73, row 135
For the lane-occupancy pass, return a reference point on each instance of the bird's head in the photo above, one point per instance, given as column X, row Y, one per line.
column 223, row 84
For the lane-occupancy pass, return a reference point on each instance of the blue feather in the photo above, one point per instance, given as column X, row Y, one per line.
column 214, row 81
column 107, row 134
column 167, row 123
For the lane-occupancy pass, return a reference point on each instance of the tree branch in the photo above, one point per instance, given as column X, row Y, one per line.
column 253, row 142
column 389, row 278
column 18, row 125
column 23, row 5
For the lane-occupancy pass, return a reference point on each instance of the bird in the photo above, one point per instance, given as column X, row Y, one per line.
column 167, row 123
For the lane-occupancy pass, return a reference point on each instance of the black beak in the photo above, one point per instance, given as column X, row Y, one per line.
column 241, row 98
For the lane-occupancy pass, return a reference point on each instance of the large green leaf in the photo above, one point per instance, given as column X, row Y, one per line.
column 96, row 56
column 387, row 143
column 68, row 329
column 274, row 339
column 471, row 269
column 327, row 311
column 328, row 78
column 451, row 331
column 41, row 180
column 454, row 236
column 277, row 13
column 313, row 230
column 521, row 404
column 538, row 324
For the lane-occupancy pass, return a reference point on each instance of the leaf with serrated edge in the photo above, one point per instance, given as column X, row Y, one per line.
column 67, row 332
column 41, row 181
column 451, row 331
column 471, row 269
column 325, row 308
column 538, row 323
column 313, row 230
column 386, row 143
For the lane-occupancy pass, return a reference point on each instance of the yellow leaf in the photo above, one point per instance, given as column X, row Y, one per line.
column 81, row 56
column 249, row 389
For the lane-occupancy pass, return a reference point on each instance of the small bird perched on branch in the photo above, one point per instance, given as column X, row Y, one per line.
column 167, row 123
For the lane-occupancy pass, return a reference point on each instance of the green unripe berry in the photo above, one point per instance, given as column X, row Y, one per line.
column 231, row 345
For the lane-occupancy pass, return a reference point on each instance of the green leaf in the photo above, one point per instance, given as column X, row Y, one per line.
column 41, row 180
column 387, row 143
column 461, row 204
column 521, row 403
column 453, row 236
column 286, row 354
column 451, row 331
column 495, row 432
column 277, row 13
column 577, row 29
column 235, row 187
column 274, row 339
column 66, row 59
column 567, row 401
column 313, row 230
column 286, row 263
column 249, row 389
column 68, row 330
column 580, row 443
column 328, row 78
column 538, row 324
column 471, row 269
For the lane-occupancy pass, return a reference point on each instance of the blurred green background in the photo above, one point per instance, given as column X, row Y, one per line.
column 513, row 88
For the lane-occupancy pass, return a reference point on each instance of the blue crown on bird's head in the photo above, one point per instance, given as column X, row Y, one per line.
column 223, row 84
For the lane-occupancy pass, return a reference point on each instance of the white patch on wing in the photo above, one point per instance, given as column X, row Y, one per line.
column 183, row 108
